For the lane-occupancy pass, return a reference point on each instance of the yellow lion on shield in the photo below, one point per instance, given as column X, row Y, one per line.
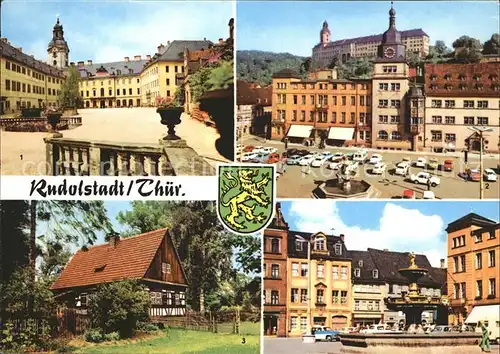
column 250, row 190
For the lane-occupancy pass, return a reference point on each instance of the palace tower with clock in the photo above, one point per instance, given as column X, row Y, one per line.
column 390, row 86
column 58, row 50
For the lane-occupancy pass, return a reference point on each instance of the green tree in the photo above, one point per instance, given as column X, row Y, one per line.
column 70, row 96
column 198, row 82
column 355, row 68
column 441, row 48
column 492, row 45
column 467, row 49
column 222, row 76
column 118, row 306
column 413, row 59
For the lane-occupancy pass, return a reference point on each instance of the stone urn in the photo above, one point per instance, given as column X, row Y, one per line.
column 53, row 118
column 219, row 104
column 170, row 116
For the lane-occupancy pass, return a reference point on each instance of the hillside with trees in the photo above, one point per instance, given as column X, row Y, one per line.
column 259, row 66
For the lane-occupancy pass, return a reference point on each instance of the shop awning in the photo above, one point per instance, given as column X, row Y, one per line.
column 367, row 316
column 482, row 313
column 337, row 133
column 299, row 131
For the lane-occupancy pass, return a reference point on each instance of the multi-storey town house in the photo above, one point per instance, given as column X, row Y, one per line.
column 319, row 289
column 473, row 267
column 321, row 107
column 275, row 275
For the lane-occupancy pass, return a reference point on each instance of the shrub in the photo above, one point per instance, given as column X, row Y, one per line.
column 113, row 336
column 147, row 327
column 93, row 336
column 119, row 306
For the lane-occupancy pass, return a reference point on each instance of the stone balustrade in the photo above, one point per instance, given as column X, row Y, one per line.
column 65, row 122
column 75, row 157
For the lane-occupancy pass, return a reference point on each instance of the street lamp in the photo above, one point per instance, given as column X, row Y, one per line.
column 480, row 130
column 308, row 337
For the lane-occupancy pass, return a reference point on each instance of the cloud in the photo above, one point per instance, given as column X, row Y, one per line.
column 400, row 228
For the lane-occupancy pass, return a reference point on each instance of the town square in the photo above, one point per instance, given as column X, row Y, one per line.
column 158, row 105
column 393, row 98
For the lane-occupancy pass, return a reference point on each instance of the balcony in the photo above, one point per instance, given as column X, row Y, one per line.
column 74, row 157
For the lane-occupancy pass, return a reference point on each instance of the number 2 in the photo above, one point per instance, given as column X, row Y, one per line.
column 487, row 186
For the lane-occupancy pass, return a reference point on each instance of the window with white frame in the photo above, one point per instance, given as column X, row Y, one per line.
column 303, row 324
column 357, row 272
column 491, row 258
column 492, row 287
column 156, row 298
column 320, row 271
column 295, row 269
column 343, row 297
column 375, row 273
column 335, row 272
column 293, row 323
column 343, row 273
column 338, row 249
column 304, row 269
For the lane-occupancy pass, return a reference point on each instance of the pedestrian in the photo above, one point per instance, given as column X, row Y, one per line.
column 304, row 171
column 485, row 340
column 429, row 184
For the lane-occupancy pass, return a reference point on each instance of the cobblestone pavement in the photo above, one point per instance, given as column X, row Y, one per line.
column 294, row 184
column 130, row 125
column 295, row 346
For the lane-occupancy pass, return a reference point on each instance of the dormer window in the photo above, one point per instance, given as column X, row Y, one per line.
column 433, row 77
column 375, row 274
column 319, row 244
column 479, row 87
column 434, row 87
column 357, row 272
column 447, row 76
column 493, row 77
column 298, row 246
column 338, row 249
column 476, row 77
column 166, row 268
column 360, row 263
column 462, row 86
column 448, row 86
column 461, row 77
column 99, row 269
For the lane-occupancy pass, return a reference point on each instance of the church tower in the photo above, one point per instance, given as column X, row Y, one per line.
column 324, row 34
column 58, row 50
column 392, row 46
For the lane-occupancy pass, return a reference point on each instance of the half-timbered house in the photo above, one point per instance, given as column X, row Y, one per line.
column 149, row 258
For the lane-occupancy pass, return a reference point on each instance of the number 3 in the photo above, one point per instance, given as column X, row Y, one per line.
column 243, row 340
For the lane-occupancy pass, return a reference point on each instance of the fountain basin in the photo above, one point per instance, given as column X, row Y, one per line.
column 330, row 189
column 388, row 343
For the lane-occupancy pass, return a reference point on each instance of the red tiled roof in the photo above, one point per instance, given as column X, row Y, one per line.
column 129, row 259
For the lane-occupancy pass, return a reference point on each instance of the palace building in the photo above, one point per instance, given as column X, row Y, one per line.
column 473, row 267
column 26, row 82
column 323, row 53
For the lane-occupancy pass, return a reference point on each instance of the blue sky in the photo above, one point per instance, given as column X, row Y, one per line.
column 111, row 30
column 397, row 226
column 293, row 27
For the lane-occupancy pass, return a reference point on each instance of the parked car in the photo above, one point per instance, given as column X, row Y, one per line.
column 318, row 161
column 273, row 158
column 429, row 195
column 248, row 156
column 338, row 156
column 421, row 162
column 326, row 334
column 379, row 329
column 262, row 157
column 306, row 160
column 408, row 194
column 347, row 330
column 490, row 175
column 291, row 152
column 375, row 158
column 352, row 168
column 360, row 156
column 269, row 150
column 473, row 175
column 258, row 149
column 302, row 152
column 318, row 328
column 441, row 329
column 424, row 178
column 334, row 165
column 448, row 165
column 248, row 148
column 327, row 154
column 379, row 168
column 293, row 160
column 402, row 168
column 433, row 164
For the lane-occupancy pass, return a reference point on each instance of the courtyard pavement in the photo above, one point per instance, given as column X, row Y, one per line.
column 295, row 346
column 295, row 184
column 24, row 153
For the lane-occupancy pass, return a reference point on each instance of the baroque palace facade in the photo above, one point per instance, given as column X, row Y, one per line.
column 333, row 287
column 28, row 82
column 390, row 110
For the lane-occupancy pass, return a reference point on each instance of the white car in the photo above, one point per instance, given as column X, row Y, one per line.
column 360, row 156
column 258, row 149
column 327, row 154
column 319, row 161
column 421, row 162
column 375, row 158
column 402, row 168
column 379, row 329
column 306, row 160
column 249, row 156
column 424, row 178
column 379, row 168
column 337, row 156
column 268, row 150
column 490, row 175
column 429, row 195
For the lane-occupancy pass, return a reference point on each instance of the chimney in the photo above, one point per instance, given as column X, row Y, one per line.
column 89, row 62
column 113, row 239
column 168, row 42
column 148, row 57
column 386, row 250
column 342, row 237
column 3, row 40
column 137, row 57
column 20, row 49
column 204, row 38
column 442, row 263
column 81, row 64
column 127, row 59
column 160, row 48
column 221, row 41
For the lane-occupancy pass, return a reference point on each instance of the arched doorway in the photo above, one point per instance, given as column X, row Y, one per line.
column 475, row 145
column 339, row 322
column 130, row 102
column 117, row 103
column 124, row 103
column 103, row 104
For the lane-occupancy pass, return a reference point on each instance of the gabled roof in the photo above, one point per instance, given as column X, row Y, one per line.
column 468, row 220
column 113, row 68
column 331, row 241
column 389, row 262
column 14, row 54
column 264, row 95
column 175, row 50
column 366, row 269
column 245, row 95
column 278, row 221
column 286, row 73
column 129, row 259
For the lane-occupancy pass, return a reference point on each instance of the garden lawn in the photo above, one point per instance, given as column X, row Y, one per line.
column 179, row 341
